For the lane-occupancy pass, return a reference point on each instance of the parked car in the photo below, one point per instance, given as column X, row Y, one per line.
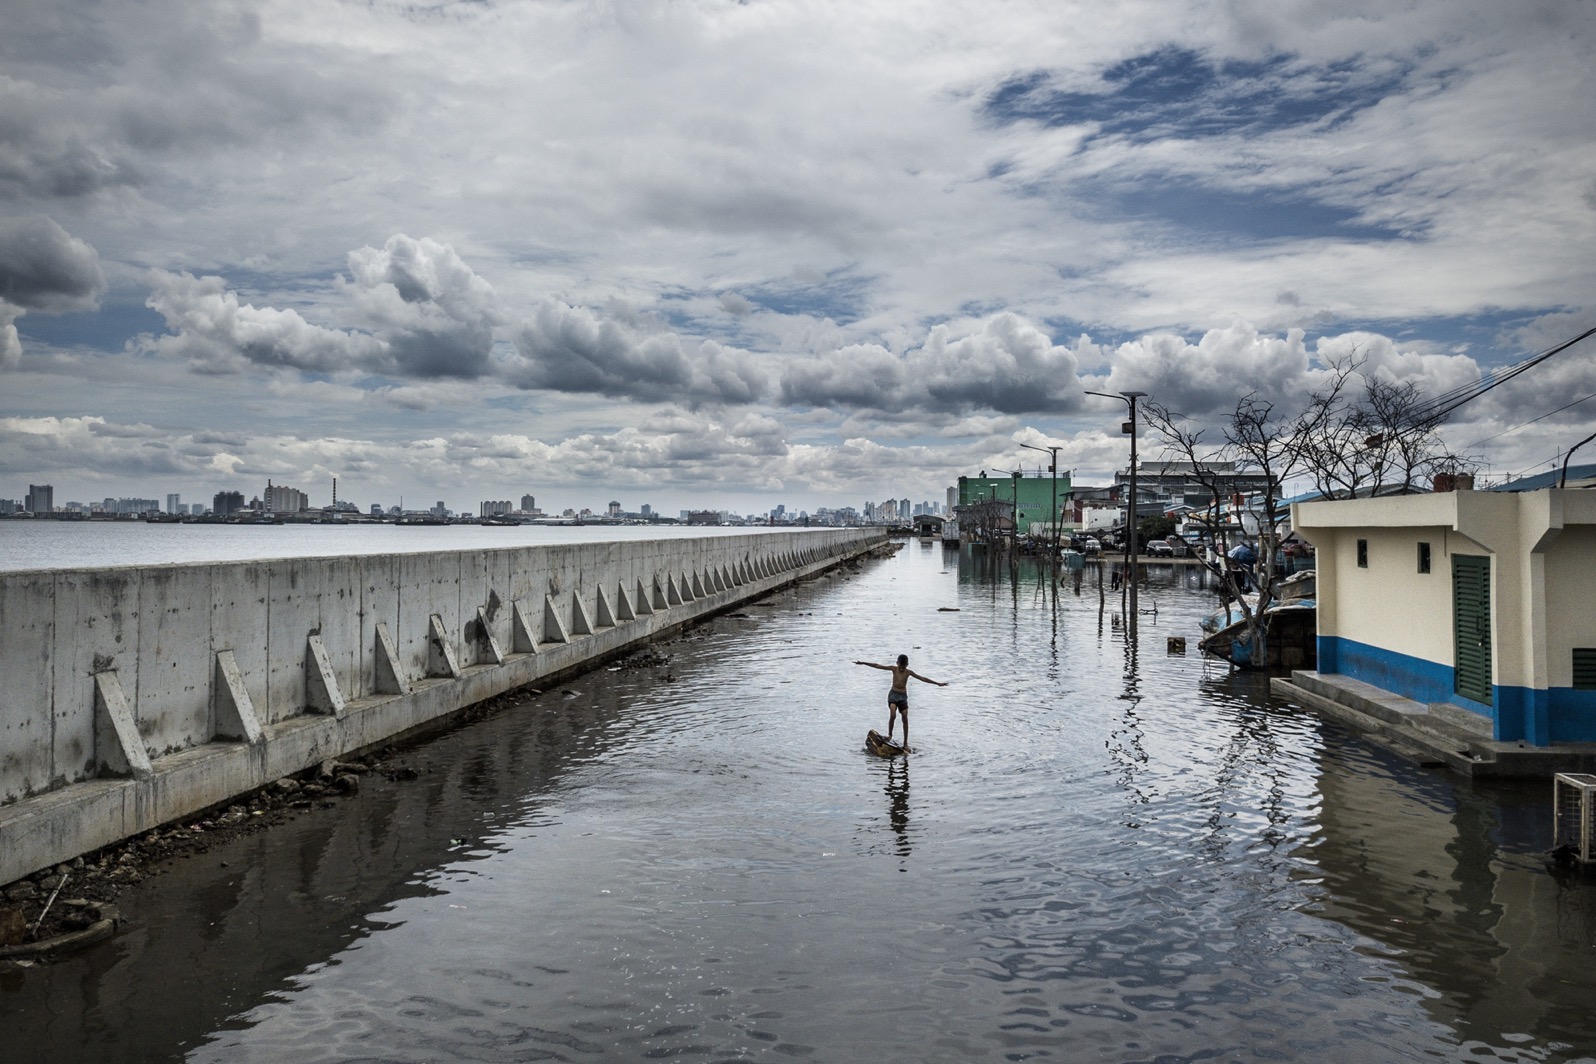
column 1159, row 549
column 1091, row 546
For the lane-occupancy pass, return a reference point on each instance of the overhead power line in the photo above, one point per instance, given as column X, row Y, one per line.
column 1443, row 404
column 1532, row 420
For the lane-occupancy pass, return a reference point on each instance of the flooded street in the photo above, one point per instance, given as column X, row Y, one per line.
column 1100, row 850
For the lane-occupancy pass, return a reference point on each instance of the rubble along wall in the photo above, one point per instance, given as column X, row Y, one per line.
column 133, row 696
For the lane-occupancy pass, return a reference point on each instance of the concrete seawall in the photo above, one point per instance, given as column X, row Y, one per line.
column 130, row 697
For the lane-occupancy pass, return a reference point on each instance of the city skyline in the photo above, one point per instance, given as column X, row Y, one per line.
column 719, row 254
column 133, row 503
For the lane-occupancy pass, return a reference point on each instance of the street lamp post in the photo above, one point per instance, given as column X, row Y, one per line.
column 1129, row 399
column 1014, row 530
column 1052, row 466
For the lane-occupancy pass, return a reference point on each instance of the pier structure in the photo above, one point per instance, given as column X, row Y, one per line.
column 134, row 696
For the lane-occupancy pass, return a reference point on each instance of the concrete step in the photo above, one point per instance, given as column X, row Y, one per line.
column 1363, row 697
column 1453, row 723
column 1399, row 724
column 1472, row 723
column 1450, row 748
column 1518, row 759
column 1418, row 755
column 1440, row 733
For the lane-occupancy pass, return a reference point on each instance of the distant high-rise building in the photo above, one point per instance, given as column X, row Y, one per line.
column 494, row 508
column 646, row 510
column 528, row 504
column 174, row 503
column 281, row 499
column 614, row 509
column 41, row 499
column 226, row 502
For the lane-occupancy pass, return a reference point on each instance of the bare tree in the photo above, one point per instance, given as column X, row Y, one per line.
column 1348, row 442
column 1384, row 439
column 1255, row 437
column 986, row 520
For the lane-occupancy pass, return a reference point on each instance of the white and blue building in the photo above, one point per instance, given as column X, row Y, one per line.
column 1485, row 600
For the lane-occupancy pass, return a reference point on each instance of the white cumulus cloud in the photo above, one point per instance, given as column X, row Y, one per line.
column 215, row 332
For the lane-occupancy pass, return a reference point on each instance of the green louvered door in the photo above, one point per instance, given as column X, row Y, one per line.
column 1471, row 626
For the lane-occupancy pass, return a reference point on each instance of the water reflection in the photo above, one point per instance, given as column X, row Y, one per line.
column 226, row 929
column 897, row 790
column 1449, row 877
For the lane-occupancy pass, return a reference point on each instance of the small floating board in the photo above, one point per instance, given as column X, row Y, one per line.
column 881, row 746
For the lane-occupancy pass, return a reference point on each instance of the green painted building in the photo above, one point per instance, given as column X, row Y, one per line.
column 1034, row 493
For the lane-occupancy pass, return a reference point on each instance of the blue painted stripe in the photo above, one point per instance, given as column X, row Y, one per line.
column 1573, row 715
column 1417, row 678
column 1535, row 716
column 1523, row 714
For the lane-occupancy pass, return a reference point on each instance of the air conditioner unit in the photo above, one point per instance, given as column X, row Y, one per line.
column 1574, row 815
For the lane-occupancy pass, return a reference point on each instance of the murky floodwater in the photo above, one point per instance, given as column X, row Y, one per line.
column 1098, row 852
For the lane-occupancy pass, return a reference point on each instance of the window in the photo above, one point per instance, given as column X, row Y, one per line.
column 1363, row 554
column 1424, row 557
column 1585, row 668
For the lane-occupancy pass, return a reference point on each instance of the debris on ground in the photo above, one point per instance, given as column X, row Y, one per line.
column 55, row 906
column 646, row 658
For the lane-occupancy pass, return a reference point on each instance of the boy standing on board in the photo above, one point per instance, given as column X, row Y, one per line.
column 898, row 696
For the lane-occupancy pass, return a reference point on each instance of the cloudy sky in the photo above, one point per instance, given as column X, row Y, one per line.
column 709, row 253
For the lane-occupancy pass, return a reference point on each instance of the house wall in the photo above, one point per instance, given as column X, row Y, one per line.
column 1390, row 603
column 1571, row 599
column 1389, row 624
column 1571, row 613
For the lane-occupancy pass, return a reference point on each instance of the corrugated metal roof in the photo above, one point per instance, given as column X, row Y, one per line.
column 1579, row 476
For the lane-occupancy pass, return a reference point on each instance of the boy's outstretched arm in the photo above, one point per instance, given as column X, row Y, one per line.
column 873, row 665
column 926, row 679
